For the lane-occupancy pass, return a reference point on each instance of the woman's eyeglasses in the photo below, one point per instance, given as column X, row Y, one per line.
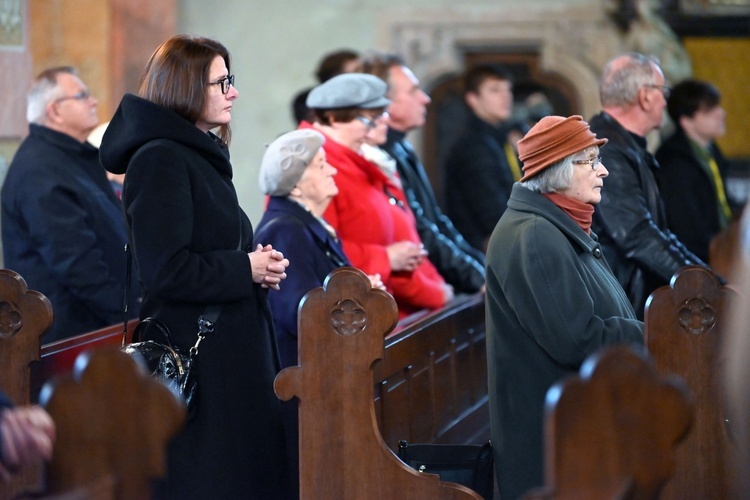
column 372, row 122
column 226, row 82
column 592, row 162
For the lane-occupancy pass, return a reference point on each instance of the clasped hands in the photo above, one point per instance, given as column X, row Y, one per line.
column 28, row 434
column 268, row 266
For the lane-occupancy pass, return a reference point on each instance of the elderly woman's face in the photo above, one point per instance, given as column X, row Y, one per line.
column 316, row 184
column 588, row 178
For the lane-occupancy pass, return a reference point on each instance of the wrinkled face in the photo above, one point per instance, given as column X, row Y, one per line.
column 493, row 102
column 586, row 183
column 408, row 107
column 218, row 110
column 316, row 185
column 73, row 111
column 706, row 123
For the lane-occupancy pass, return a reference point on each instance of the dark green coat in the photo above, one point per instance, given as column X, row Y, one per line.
column 551, row 302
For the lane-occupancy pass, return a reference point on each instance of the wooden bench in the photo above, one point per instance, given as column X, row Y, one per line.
column 684, row 325
column 342, row 453
column 612, row 431
column 113, row 424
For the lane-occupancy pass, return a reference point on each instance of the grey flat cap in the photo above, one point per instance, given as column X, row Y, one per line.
column 286, row 159
column 349, row 90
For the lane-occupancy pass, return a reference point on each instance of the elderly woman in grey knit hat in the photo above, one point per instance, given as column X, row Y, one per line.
column 552, row 300
column 300, row 184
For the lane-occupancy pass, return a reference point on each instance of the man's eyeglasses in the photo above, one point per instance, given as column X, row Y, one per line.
column 226, row 82
column 372, row 122
column 80, row 96
column 592, row 162
column 665, row 89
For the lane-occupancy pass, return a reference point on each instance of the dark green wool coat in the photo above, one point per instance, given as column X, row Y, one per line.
column 551, row 302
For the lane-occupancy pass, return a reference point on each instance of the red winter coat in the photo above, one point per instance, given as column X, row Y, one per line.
column 370, row 213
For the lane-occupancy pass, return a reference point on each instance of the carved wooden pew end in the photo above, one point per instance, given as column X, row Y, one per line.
column 612, row 431
column 342, row 454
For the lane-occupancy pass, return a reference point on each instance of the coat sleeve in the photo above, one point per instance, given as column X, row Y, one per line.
column 162, row 216
column 557, row 308
column 296, row 243
column 625, row 215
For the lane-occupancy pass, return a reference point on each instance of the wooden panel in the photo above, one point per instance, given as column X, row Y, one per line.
column 342, row 452
column 444, row 355
column 683, row 328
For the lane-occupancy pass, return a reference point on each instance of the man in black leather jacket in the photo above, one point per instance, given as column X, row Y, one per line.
column 458, row 262
column 630, row 220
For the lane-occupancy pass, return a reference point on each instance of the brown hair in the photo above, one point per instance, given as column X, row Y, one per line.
column 177, row 76
column 379, row 64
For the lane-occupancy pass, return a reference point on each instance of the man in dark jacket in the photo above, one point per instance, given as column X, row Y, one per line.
column 692, row 168
column 63, row 228
column 630, row 220
column 481, row 165
column 458, row 262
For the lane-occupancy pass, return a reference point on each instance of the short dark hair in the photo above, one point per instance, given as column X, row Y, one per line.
column 177, row 76
column 333, row 63
column 300, row 111
column 690, row 96
column 477, row 75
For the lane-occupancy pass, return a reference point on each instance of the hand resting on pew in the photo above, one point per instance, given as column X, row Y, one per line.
column 27, row 435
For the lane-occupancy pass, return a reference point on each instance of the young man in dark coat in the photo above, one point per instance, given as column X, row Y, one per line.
column 630, row 220
column 692, row 169
column 63, row 227
column 482, row 166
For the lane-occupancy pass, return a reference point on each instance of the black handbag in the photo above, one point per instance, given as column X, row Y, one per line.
column 470, row 465
column 166, row 362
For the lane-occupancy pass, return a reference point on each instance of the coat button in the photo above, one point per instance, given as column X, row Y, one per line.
column 597, row 253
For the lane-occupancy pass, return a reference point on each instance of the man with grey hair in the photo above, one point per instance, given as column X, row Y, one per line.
column 457, row 261
column 63, row 228
column 630, row 220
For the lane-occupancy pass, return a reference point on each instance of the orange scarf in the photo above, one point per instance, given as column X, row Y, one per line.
column 580, row 212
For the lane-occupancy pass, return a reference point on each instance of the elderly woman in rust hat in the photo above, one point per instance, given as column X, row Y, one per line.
column 551, row 297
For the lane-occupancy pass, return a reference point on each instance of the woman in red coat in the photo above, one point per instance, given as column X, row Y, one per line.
column 370, row 213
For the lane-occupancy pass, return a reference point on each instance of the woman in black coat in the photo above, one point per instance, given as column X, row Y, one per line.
column 192, row 245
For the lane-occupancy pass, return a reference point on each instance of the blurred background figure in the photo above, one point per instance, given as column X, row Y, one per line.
column 27, row 434
column 63, row 226
column 692, row 171
column 482, row 166
column 332, row 64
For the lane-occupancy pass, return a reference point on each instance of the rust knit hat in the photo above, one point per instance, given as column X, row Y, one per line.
column 552, row 139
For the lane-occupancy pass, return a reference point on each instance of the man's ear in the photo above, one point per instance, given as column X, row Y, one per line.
column 645, row 98
column 51, row 112
column 471, row 99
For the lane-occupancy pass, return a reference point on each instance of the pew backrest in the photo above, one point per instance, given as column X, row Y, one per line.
column 342, row 453
column 113, row 423
column 611, row 432
column 684, row 324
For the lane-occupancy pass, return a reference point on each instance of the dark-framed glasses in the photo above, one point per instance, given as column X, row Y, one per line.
column 78, row 96
column 226, row 82
column 592, row 162
column 372, row 122
column 666, row 90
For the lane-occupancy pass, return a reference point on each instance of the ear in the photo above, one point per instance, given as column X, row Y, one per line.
column 645, row 99
column 471, row 99
column 296, row 192
column 51, row 113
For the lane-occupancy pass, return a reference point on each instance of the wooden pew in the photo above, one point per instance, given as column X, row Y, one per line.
column 25, row 315
column 612, row 431
column 431, row 386
column 684, row 324
column 113, row 423
column 342, row 453
column 723, row 251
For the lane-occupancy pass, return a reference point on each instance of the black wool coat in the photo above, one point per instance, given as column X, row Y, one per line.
column 185, row 226
column 688, row 192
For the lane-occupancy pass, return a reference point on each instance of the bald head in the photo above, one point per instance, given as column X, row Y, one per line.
column 624, row 76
